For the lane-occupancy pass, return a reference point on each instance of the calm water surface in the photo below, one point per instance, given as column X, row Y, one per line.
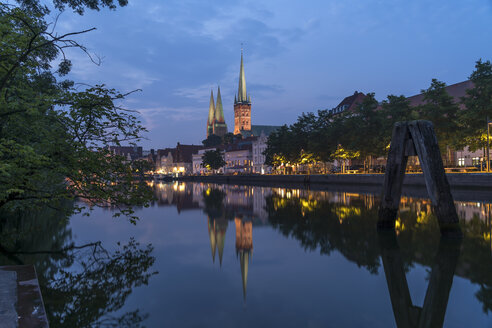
column 237, row 256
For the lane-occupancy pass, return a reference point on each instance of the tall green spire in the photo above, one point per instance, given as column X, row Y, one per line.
column 211, row 109
column 241, row 92
column 219, row 110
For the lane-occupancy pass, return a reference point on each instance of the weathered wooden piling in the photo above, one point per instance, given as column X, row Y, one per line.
column 410, row 139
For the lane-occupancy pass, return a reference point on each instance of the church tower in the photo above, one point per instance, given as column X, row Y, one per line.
column 219, row 125
column 211, row 114
column 242, row 104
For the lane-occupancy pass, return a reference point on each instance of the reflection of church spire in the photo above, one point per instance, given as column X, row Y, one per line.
column 244, row 246
column 211, row 235
column 244, row 259
column 220, row 242
column 216, row 232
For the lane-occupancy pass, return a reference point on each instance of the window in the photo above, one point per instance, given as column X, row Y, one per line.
column 461, row 161
column 475, row 160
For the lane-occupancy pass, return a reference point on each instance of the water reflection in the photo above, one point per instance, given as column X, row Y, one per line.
column 82, row 285
column 323, row 245
column 345, row 222
column 432, row 313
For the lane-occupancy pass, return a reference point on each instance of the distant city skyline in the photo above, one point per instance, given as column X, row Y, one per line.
column 298, row 56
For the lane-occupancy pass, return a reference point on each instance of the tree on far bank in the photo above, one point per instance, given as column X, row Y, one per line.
column 213, row 160
column 478, row 102
column 212, row 140
column 442, row 111
column 228, row 138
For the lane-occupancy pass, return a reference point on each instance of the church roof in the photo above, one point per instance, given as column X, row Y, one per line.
column 257, row 130
column 211, row 108
column 457, row 91
column 219, row 110
column 242, row 96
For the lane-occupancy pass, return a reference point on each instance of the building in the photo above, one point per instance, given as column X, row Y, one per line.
column 258, row 147
column 242, row 110
column 348, row 104
column 177, row 160
column 197, row 159
column 463, row 157
column 216, row 122
column 131, row 153
column 238, row 158
column 242, row 104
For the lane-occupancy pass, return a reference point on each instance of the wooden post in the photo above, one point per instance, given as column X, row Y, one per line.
column 417, row 138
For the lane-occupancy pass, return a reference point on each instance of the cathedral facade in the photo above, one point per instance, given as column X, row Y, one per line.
column 216, row 123
column 242, row 113
column 242, row 104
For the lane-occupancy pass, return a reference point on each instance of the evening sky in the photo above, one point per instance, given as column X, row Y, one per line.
column 300, row 56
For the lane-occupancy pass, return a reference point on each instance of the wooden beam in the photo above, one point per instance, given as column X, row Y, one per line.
column 437, row 184
column 393, row 179
column 410, row 138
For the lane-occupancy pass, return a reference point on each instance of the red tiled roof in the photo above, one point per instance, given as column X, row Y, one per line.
column 456, row 91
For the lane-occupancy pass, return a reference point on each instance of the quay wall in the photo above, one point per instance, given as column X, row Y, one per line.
column 456, row 180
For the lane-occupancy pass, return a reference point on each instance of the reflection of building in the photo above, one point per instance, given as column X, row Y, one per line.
column 216, row 231
column 176, row 194
column 244, row 247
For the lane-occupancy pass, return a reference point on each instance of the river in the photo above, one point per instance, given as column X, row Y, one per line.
column 205, row 255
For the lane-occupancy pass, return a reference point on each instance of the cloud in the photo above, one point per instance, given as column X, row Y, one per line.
column 200, row 93
column 263, row 89
column 155, row 116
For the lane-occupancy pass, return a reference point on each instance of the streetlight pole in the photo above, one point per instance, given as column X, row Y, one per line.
column 488, row 145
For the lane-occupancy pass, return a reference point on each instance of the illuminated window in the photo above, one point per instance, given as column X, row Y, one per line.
column 461, row 161
column 475, row 160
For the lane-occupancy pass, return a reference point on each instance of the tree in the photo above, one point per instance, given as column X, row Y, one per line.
column 365, row 124
column 54, row 138
column 478, row 102
column 77, row 6
column 212, row 140
column 228, row 138
column 213, row 160
column 442, row 111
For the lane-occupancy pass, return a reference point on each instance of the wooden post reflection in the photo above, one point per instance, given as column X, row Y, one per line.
column 436, row 298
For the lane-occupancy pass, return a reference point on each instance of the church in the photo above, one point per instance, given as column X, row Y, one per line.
column 242, row 113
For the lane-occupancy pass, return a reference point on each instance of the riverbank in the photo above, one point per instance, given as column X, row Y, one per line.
column 464, row 186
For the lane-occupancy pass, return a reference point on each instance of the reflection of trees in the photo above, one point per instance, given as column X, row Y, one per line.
column 349, row 227
column 328, row 226
column 213, row 199
column 82, row 286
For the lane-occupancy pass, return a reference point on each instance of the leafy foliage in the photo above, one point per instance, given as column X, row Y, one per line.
column 212, row 140
column 213, row 160
column 54, row 138
column 365, row 131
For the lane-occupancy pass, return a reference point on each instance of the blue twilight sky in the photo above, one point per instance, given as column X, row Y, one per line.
column 299, row 56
